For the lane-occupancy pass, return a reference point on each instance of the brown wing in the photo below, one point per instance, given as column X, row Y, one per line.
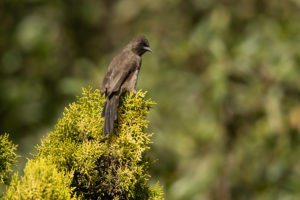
column 119, row 69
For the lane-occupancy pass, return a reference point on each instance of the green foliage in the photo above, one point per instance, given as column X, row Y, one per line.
column 77, row 159
column 41, row 181
column 7, row 158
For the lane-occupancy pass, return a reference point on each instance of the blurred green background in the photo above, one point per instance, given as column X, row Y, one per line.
column 225, row 75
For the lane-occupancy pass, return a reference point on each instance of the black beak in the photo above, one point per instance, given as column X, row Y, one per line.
column 148, row 49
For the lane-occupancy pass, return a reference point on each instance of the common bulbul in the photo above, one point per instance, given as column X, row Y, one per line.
column 122, row 76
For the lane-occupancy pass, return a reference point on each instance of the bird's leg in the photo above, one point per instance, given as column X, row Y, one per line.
column 134, row 92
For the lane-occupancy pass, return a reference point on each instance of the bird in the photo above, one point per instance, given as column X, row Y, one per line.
column 121, row 76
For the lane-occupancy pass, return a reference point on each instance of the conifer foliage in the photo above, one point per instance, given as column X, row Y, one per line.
column 76, row 161
column 7, row 158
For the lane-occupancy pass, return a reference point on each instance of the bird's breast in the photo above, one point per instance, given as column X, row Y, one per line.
column 131, row 81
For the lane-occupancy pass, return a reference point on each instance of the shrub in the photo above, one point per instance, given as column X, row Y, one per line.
column 41, row 180
column 77, row 161
column 7, row 158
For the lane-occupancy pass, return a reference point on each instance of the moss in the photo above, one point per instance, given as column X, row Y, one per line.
column 93, row 166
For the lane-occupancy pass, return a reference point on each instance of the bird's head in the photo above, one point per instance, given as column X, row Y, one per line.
column 140, row 45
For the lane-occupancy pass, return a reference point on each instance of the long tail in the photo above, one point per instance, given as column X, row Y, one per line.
column 110, row 113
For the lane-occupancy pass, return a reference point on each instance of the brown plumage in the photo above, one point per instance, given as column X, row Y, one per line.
column 121, row 76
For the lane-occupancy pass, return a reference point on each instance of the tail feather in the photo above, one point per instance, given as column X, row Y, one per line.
column 104, row 108
column 115, row 108
column 110, row 113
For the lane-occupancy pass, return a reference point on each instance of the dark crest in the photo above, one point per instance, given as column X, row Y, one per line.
column 140, row 45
